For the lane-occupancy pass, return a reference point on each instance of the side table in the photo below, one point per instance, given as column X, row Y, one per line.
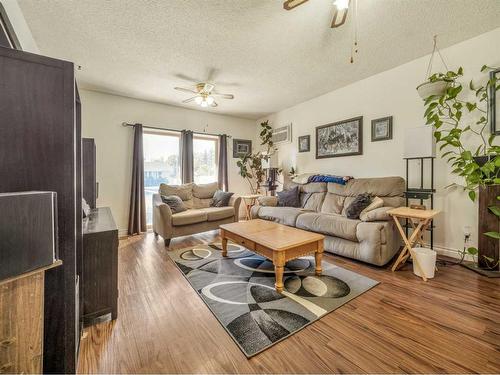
column 419, row 220
column 249, row 201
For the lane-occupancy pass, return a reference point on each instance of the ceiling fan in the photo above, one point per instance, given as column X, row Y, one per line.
column 339, row 15
column 204, row 94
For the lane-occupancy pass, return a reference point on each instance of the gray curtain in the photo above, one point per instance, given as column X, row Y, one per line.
column 222, row 175
column 187, row 165
column 137, row 212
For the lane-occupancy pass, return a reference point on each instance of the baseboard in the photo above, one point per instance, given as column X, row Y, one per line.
column 450, row 252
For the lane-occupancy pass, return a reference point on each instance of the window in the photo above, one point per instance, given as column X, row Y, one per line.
column 161, row 164
column 205, row 155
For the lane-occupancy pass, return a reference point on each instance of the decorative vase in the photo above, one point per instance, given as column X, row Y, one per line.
column 427, row 89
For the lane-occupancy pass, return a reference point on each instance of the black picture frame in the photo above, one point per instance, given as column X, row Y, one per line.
column 379, row 121
column 356, row 122
column 492, row 105
column 307, row 139
column 8, row 37
column 241, row 147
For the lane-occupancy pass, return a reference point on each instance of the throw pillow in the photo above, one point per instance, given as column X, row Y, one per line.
column 289, row 198
column 221, row 198
column 174, row 202
column 269, row 201
column 358, row 204
column 376, row 203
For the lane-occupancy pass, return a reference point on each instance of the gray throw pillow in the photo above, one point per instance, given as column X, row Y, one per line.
column 174, row 202
column 289, row 198
column 221, row 199
column 358, row 204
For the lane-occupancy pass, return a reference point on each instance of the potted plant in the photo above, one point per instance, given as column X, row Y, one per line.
column 250, row 166
column 477, row 161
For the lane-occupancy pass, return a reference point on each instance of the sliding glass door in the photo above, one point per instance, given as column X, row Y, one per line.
column 161, row 164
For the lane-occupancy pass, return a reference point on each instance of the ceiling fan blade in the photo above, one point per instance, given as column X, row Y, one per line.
column 190, row 99
column 208, row 88
column 185, row 90
column 225, row 96
column 339, row 18
column 214, row 104
column 290, row 4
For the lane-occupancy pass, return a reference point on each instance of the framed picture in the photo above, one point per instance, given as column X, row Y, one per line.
column 241, row 147
column 305, row 143
column 342, row 138
column 282, row 135
column 494, row 104
column 382, row 129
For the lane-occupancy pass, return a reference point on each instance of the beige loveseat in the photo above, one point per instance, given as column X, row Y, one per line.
column 374, row 239
column 199, row 217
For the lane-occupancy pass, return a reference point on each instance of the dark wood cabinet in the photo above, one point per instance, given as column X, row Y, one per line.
column 100, row 266
column 39, row 150
column 89, row 171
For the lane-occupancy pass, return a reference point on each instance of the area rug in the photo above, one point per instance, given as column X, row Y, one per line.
column 239, row 290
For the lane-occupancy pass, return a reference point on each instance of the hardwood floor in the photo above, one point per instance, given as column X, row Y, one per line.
column 451, row 324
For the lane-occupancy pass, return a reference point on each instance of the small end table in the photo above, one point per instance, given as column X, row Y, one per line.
column 419, row 220
column 249, row 201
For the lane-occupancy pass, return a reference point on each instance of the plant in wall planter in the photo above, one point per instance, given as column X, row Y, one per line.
column 460, row 130
column 251, row 166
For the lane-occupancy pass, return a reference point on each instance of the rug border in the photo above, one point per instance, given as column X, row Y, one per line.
column 281, row 339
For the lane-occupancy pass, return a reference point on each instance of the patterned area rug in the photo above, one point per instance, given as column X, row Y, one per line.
column 239, row 290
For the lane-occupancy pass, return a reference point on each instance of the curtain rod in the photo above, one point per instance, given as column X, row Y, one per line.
column 125, row 124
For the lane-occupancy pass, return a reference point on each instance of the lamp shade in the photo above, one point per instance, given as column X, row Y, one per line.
column 419, row 142
column 271, row 162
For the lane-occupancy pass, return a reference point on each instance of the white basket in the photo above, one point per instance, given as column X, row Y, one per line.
column 427, row 260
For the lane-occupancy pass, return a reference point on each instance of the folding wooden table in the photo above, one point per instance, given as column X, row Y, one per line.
column 419, row 220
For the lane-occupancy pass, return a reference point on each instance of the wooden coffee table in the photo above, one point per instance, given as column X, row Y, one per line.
column 278, row 243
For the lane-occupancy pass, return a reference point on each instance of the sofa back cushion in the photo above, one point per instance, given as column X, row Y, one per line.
column 185, row 192
column 203, row 194
column 311, row 195
column 339, row 197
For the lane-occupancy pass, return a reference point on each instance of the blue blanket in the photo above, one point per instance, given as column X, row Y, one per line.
column 341, row 180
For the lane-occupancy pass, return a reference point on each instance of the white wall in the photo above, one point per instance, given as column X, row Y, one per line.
column 102, row 115
column 391, row 93
column 20, row 26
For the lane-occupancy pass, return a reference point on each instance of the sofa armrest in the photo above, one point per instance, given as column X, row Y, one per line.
column 162, row 217
column 235, row 202
column 378, row 214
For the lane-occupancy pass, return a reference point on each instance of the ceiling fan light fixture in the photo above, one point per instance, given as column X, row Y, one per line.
column 198, row 100
column 341, row 4
column 210, row 100
column 204, row 104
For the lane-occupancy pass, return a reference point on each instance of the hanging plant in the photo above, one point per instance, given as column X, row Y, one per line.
column 436, row 84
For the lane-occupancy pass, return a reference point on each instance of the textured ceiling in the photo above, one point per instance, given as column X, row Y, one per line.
column 269, row 58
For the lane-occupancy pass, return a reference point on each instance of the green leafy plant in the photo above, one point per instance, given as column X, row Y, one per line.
column 455, row 120
column 250, row 165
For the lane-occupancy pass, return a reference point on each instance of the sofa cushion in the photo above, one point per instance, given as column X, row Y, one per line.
column 271, row 201
column 174, row 202
column 312, row 201
column 283, row 215
column 357, row 206
column 329, row 224
column 221, row 199
column 189, row 217
column 218, row 213
column 185, row 192
column 333, row 204
column 379, row 186
column 204, row 191
column 289, row 198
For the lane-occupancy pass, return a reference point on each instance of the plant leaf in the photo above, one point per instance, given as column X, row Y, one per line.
column 472, row 195
column 495, row 210
column 495, row 235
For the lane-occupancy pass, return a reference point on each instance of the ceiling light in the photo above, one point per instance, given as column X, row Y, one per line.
column 198, row 100
column 210, row 100
column 341, row 4
column 204, row 104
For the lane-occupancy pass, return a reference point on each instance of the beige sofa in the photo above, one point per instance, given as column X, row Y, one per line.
column 199, row 217
column 373, row 240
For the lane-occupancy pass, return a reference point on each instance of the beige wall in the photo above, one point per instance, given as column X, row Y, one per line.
column 102, row 115
column 391, row 93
